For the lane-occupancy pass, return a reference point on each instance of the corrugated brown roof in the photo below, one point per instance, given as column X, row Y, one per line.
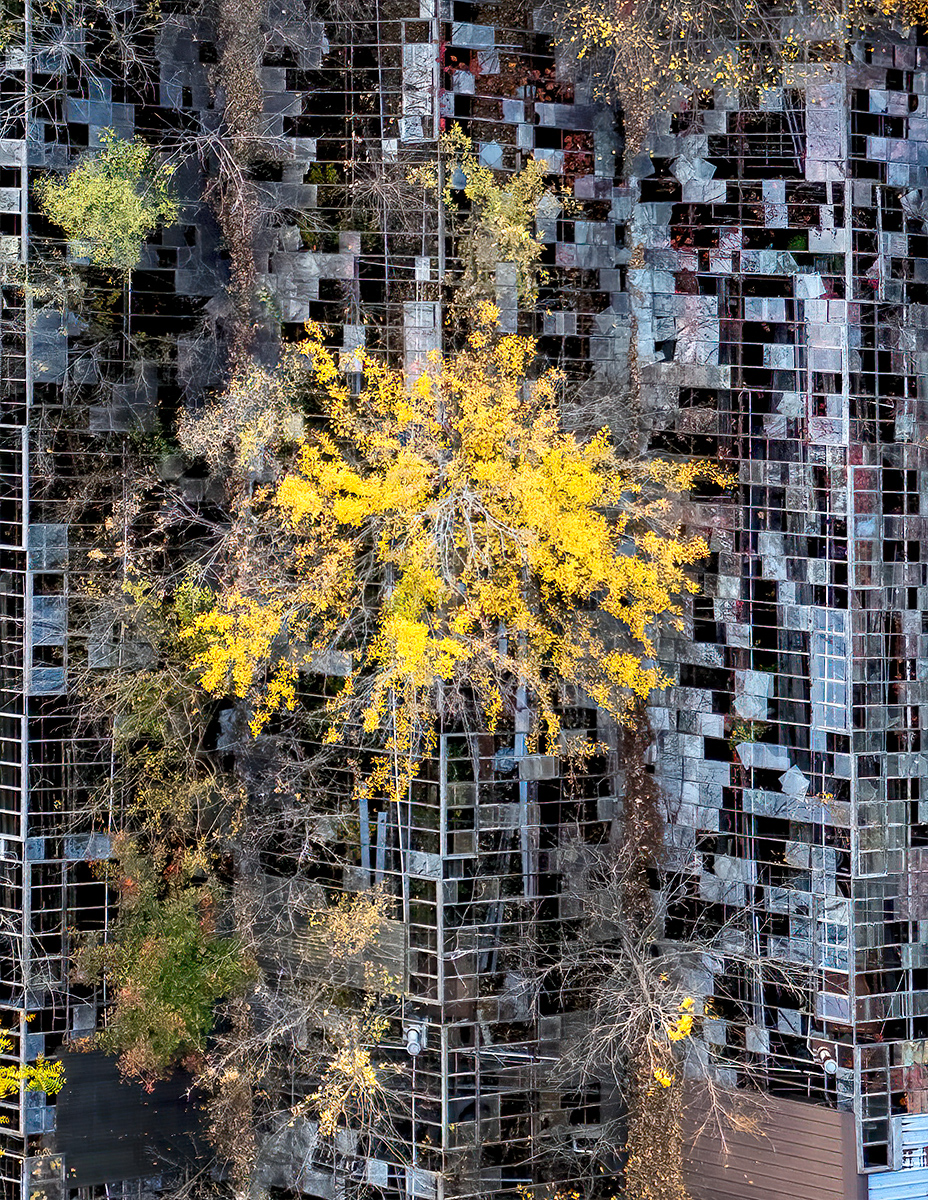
column 804, row 1152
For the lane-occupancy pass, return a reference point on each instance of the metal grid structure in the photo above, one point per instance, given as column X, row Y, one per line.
column 472, row 860
column 788, row 274
column 778, row 320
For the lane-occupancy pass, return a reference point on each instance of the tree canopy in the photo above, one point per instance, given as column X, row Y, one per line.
column 443, row 533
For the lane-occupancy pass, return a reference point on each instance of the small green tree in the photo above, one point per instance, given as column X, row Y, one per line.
column 112, row 201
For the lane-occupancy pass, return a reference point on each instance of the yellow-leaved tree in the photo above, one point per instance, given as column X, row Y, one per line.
column 443, row 536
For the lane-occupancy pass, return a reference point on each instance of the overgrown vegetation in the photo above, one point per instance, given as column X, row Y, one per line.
column 658, row 54
column 166, row 962
column 172, row 953
column 430, row 543
column 445, row 541
column 500, row 227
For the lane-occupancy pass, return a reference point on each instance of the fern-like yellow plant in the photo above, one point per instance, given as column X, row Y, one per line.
column 44, row 1075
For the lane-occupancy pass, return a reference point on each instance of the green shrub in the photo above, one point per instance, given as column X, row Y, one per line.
column 165, row 962
column 112, row 201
